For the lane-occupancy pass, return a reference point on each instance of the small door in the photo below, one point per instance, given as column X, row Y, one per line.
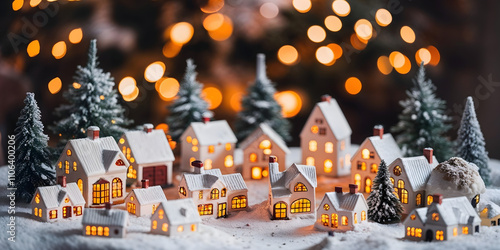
column 222, row 210
column 498, row 223
column 66, row 212
column 429, row 235
column 157, row 175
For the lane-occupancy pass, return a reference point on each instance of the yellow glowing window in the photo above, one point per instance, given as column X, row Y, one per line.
column 325, row 220
column 397, row 170
column 300, row 187
column 66, row 167
column 200, row 195
column 36, row 211
column 214, row 194
column 408, row 230
column 228, row 146
column 131, row 207
column 206, row 209
column 191, row 161
column 401, row 184
column 418, row 232
column 239, row 202
column 87, row 230
column 68, row 152
column 280, row 210
column 122, row 141
column 160, row 214
column 435, row 216
column 267, row 151
column 301, row 206
column 195, row 141
column 182, row 191
column 365, row 154
column 99, row 231
column 465, row 230
column 439, row 235
column 313, row 146
column 211, row 149
column 228, row 161
column 392, row 181
column 106, row 231
column 74, row 166
column 256, row 173
column 342, row 145
column 37, row 198
column 265, row 144
column 94, row 230
column 355, row 218
column 223, row 192
column 164, row 227
column 362, row 165
column 131, row 173
column 154, row 225
column 335, row 221
column 77, row 210
column 66, row 200
column 253, row 157
column 189, row 139
column 357, row 180
column 418, row 199
column 265, row 173
column 128, row 153
column 429, row 200
column 180, row 228
column 328, row 166
column 132, row 160
column 404, row 196
column 326, row 207
column 153, row 209
column 117, row 188
column 132, row 198
column 363, row 215
column 412, row 217
column 208, row 164
column 193, row 227
column 455, row 231
column 194, row 148
column 53, row 214
column 310, row 161
column 314, row 129
column 40, row 213
column 345, row 221
column 374, row 168
column 59, row 165
column 124, row 150
column 368, row 185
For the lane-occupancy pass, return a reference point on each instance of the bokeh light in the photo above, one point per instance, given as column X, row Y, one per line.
column 127, row 86
column 181, row 33
column 170, row 50
column 302, row 6
column 384, row 65
column 235, row 101
column 341, row 8
column 363, row 29
column 55, row 85
column 168, row 88
column 424, row 55
column 154, row 71
column 76, row 85
column 407, row 34
column 17, row 4
column 75, row 36
column 290, row 102
column 396, row 59
column 288, row 55
column 33, row 48
column 406, row 67
column 34, row 3
column 316, row 33
column 353, row 85
column 357, row 43
column 224, row 31
column 212, row 6
column 162, row 126
column 337, row 50
column 269, row 10
column 59, row 50
column 132, row 96
column 213, row 21
column 383, row 17
column 324, row 55
column 333, row 23
column 435, row 56
column 213, row 96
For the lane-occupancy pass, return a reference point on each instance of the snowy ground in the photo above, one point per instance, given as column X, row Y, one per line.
column 250, row 229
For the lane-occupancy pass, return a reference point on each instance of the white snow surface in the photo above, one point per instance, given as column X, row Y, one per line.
column 250, row 229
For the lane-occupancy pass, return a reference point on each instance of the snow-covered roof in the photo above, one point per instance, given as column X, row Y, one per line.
column 105, row 217
column 181, row 211
column 213, row 132
column 345, row 201
column 150, row 195
column 386, row 148
column 149, row 147
column 53, row 196
column 493, row 209
column 335, row 118
column 234, row 182
column 453, row 211
column 96, row 156
column 206, row 180
column 280, row 182
column 264, row 129
column 418, row 170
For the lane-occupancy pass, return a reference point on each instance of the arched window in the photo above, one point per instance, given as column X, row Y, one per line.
column 363, row 215
column 328, row 147
column 223, row 192
column 280, row 210
column 368, row 185
column 345, row 221
column 418, row 199
column 328, row 165
column 325, row 220
column 228, row 161
column 404, row 196
column 117, row 188
column 214, row 194
column 374, row 168
column 79, row 182
column 355, row 218
column 66, row 167
column 100, row 192
column 253, row 157
column 300, row 187
column 335, row 221
column 313, row 146
column 239, row 202
column 182, row 191
column 365, row 154
column 310, row 161
column 301, row 206
column 429, row 200
column 397, row 170
column 357, row 180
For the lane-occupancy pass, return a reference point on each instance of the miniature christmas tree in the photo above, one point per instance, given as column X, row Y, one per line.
column 470, row 141
column 33, row 168
column 188, row 107
column 383, row 205
column 423, row 122
column 259, row 106
column 92, row 102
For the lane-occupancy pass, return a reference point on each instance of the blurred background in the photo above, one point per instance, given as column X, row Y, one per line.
column 363, row 53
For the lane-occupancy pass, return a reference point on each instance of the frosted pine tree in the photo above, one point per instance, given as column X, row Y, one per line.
column 383, row 205
column 259, row 106
column 423, row 122
column 33, row 168
column 92, row 102
column 470, row 141
column 189, row 106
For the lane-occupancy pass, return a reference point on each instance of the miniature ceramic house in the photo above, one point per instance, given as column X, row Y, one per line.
column 326, row 139
column 175, row 217
column 97, row 166
column 144, row 201
column 339, row 211
column 63, row 201
column 105, row 222
column 210, row 190
column 211, row 142
column 490, row 214
column 291, row 192
column 149, row 154
column 256, row 150
column 442, row 220
column 374, row 149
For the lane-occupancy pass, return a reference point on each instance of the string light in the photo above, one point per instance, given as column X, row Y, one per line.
column 154, row 71
column 33, row 48
column 17, row 4
column 383, row 17
column 75, row 36
column 55, row 85
column 288, row 55
column 171, row 50
column 290, row 102
column 363, row 29
column 341, row 8
column 353, row 86
column 59, row 50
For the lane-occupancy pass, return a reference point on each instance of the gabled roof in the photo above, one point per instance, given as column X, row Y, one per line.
column 234, row 182
column 105, row 217
column 345, row 201
column 206, row 180
column 493, row 209
column 96, row 156
column 53, row 196
column 181, row 211
column 149, row 195
column 280, row 182
column 149, row 147
column 264, row 129
column 387, row 148
column 453, row 211
column 418, row 170
column 335, row 118
column 213, row 132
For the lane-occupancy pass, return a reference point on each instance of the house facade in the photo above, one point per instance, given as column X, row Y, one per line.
column 97, row 166
column 326, row 138
column 106, row 222
column 144, row 201
column 489, row 214
column 149, row 154
column 257, row 148
column 176, row 217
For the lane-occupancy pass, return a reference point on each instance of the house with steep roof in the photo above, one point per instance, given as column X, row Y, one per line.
column 62, row 201
column 326, row 138
column 175, row 217
column 365, row 162
column 443, row 219
column 149, row 154
column 106, row 222
column 97, row 166
column 257, row 148
column 144, row 201
column 489, row 214
column 214, row 194
column 211, row 142
column 292, row 192
column 339, row 211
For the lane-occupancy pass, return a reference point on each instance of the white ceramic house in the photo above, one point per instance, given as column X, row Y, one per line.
column 211, row 142
column 365, row 162
column 257, row 148
column 144, row 201
column 292, row 192
column 214, row 194
column 444, row 219
column 326, row 138
column 106, row 222
column 490, row 214
column 149, row 154
column 175, row 217
column 97, row 166
column 339, row 211
column 63, row 201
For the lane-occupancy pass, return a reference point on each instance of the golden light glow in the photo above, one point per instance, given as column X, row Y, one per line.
column 132, row 96
column 34, row 3
column 316, row 33
column 59, row 50
column 168, row 88
column 337, row 50
column 181, row 33
column 208, row 164
column 76, row 85
column 127, row 86
column 213, row 96
column 213, row 21
column 154, row 71
column 163, row 127
column 384, row 65
column 406, row 67
column 228, row 161
column 33, row 48
column 194, row 141
column 265, row 144
column 290, row 102
column 435, row 56
column 357, row 43
column 302, row 6
column 235, row 101
column 212, row 6
column 333, row 23
column 324, row 55
column 75, row 36
column 396, row 59
column 353, row 85
column 171, row 49
column 288, row 55
column 310, row 161
column 55, row 85
column 341, row 8
column 269, row 10
column 424, row 55
column 328, row 165
column 407, row 34
column 253, row 157
column 224, row 31
column 365, row 154
column 383, row 17
column 17, row 4
column 363, row 29
column 256, row 173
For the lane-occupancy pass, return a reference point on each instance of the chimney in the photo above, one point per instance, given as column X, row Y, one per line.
column 274, row 166
column 338, row 190
column 378, row 130
column 326, row 98
column 206, row 119
column 428, row 152
column 93, row 132
column 353, row 189
column 61, row 180
column 198, row 167
column 148, row 127
column 437, row 198
column 145, row 183
column 261, row 67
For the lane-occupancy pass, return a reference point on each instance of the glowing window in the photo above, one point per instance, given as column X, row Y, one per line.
column 439, row 235
column 189, row 139
column 326, row 207
column 418, row 232
column 194, row 148
column 328, row 166
column 153, row 209
column 132, row 160
column 265, row 144
column 355, row 218
column 182, row 191
column 100, row 192
column 314, row 129
column 392, row 181
column 164, row 227
column 211, row 149
column 74, row 166
column 239, row 202
column 368, row 185
column 191, row 161
column 429, row 200
column 310, row 161
column 94, row 230
column 180, row 228
column 365, row 154
column 412, row 217
column 342, row 145
column 131, row 173
column 59, row 165
column 301, row 206
column 206, row 209
column 214, row 194
column 106, row 231
column 53, row 214
column 335, row 221
column 208, row 164
column 313, row 146
column 66, row 167
column 77, row 210
column 397, row 170
column 99, row 231
column 363, row 215
column 404, row 196
column 131, row 207
column 325, row 220
column 68, row 152
column 280, row 210
column 465, row 230
column 328, row 147
column 128, row 154
column 374, row 168
column 300, row 187
column 345, row 221
column 253, row 157
column 257, row 173
column 195, row 141
column 117, row 188
column 36, row 212
column 266, row 151
column 40, row 213
column 87, row 230
column 37, row 198
column 223, row 192
column 122, row 141
column 435, row 216
column 455, row 231
column 357, row 180
column 228, row 161
column 228, row 147
column 66, row 200
column 200, row 195
column 193, row 227
column 418, row 199
column 361, row 165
